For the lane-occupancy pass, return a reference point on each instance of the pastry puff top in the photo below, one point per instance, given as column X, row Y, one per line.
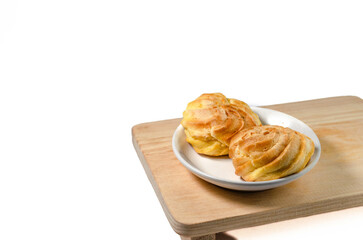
column 269, row 152
column 211, row 120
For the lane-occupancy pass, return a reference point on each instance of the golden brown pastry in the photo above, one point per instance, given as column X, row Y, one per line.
column 211, row 120
column 269, row 152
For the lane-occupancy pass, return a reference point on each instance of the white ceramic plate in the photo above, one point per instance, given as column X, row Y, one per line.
column 220, row 170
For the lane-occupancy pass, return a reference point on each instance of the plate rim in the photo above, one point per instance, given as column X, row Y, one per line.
column 237, row 186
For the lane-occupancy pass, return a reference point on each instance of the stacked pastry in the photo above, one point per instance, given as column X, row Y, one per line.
column 215, row 126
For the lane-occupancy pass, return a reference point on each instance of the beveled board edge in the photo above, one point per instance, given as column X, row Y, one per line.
column 271, row 216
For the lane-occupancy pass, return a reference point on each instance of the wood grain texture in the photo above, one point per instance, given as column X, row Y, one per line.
column 195, row 207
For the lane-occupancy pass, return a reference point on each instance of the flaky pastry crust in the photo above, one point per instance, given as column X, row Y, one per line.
column 211, row 120
column 268, row 152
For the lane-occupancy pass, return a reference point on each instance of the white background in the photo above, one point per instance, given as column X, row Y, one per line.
column 75, row 76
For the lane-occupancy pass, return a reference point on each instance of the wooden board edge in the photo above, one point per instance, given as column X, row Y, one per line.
column 270, row 216
column 136, row 127
column 315, row 99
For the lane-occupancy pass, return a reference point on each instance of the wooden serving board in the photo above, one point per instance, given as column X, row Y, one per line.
column 196, row 208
